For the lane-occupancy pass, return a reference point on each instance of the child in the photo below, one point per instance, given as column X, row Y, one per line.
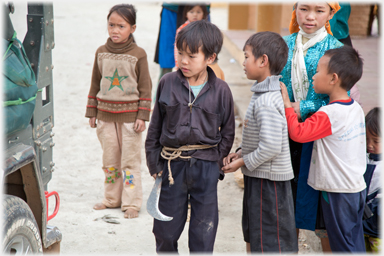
column 191, row 13
column 340, row 30
column 311, row 37
column 338, row 157
column 120, row 100
column 268, row 214
column 372, row 179
column 193, row 118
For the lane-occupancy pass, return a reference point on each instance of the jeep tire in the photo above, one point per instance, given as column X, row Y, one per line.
column 21, row 233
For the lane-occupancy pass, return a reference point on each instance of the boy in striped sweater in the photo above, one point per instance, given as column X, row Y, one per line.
column 268, row 216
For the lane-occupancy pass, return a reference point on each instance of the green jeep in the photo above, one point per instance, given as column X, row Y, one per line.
column 27, row 137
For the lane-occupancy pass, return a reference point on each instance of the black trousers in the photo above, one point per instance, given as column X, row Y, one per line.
column 196, row 181
column 295, row 150
column 268, row 218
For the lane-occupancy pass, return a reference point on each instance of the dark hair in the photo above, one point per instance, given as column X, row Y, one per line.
column 126, row 11
column 189, row 7
column 347, row 64
column 272, row 45
column 200, row 33
column 372, row 121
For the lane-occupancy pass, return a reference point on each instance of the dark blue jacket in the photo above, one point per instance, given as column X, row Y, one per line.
column 211, row 122
column 371, row 225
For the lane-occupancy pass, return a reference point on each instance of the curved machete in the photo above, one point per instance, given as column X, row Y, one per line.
column 153, row 202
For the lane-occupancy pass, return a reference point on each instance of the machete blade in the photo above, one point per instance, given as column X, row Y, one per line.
column 153, row 202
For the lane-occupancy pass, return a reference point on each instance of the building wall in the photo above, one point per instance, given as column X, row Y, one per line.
column 238, row 16
column 359, row 20
column 276, row 17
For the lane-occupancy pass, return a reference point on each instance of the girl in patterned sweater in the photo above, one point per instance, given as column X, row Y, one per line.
column 120, row 100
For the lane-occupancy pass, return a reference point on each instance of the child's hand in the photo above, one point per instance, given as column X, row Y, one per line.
column 284, row 94
column 296, row 107
column 231, row 157
column 92, row 122
column 233, row 166
column 139, row 125
column 155, row 175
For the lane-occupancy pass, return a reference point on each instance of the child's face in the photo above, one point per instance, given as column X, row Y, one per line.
column 193, row 64
column 119, row 29
column 251, row 65
column 312, row 16
column 373, row 143
column 196, row 13
column 322, row 78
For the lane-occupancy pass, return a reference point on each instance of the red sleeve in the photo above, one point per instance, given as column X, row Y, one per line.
column 315, row 127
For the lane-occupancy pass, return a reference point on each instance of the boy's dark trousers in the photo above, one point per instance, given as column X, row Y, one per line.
column 198, row 179
column 343, row 218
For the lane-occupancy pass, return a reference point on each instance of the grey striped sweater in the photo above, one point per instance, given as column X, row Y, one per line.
column 265, row 146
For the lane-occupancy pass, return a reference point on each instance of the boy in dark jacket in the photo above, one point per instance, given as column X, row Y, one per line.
column 192, row 128
column 372, row 175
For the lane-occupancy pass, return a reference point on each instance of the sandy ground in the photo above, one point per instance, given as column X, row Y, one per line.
column 80, row 28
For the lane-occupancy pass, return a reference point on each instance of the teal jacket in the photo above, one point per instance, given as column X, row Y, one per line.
column 313, row 101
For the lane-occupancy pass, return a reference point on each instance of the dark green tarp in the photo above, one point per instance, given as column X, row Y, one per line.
column 19, row 87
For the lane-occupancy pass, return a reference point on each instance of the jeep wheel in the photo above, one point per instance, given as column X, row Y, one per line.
column 21, row 233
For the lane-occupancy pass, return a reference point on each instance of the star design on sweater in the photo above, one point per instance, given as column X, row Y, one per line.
column 116, row 79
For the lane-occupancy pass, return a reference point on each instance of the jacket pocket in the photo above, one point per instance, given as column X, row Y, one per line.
column 208, row 124
column 172, row 117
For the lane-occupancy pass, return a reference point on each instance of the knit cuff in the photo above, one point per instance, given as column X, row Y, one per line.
column 143, row 114
column 247, row 162
column 91, row 112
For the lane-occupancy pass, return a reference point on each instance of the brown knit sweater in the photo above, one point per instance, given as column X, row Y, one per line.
column 121, row 85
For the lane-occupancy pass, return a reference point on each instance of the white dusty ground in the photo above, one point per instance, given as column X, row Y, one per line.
column 80, row 27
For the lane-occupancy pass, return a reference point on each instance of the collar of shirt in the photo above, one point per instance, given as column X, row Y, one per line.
column 271, row 83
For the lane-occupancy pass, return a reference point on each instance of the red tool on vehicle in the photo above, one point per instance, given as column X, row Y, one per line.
column 57, row 205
